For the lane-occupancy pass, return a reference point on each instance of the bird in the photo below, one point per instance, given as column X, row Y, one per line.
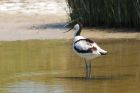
column 85, row 47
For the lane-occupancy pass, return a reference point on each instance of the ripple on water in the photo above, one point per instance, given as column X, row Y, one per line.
column 34, row 87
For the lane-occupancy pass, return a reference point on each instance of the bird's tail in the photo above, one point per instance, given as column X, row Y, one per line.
column 102, row 52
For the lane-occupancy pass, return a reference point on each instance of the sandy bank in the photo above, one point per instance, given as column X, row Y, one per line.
column 23, row 27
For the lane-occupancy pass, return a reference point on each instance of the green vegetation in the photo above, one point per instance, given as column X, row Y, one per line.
column 110, row 13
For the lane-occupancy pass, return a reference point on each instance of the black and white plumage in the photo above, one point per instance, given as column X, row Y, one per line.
column 86, row 48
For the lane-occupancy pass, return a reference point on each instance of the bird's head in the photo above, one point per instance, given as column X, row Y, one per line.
column 74, row 24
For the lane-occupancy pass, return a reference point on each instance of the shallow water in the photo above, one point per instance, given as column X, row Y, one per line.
column 29, row 7
column 50, row 66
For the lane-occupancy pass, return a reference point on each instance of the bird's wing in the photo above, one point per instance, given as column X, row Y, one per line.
column 84, row 46
column 89, row 40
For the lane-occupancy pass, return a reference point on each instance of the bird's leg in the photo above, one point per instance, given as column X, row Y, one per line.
column 86, row 69
column 90, row 69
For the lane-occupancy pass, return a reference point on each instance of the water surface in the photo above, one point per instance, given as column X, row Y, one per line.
column 50, row 66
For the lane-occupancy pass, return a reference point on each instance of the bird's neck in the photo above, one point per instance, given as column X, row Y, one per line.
column 77, row 32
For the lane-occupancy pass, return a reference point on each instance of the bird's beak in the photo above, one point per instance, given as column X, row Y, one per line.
column 67, row 26
column 70, row 24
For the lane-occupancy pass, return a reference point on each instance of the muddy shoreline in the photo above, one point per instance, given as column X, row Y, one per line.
column 25, row 27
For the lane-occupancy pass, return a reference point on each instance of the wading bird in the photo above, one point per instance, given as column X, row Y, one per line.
column 85, row 48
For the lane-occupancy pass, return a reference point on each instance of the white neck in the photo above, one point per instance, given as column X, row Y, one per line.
column 77, row 30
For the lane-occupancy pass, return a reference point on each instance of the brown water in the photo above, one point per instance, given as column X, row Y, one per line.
column 50, row 66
